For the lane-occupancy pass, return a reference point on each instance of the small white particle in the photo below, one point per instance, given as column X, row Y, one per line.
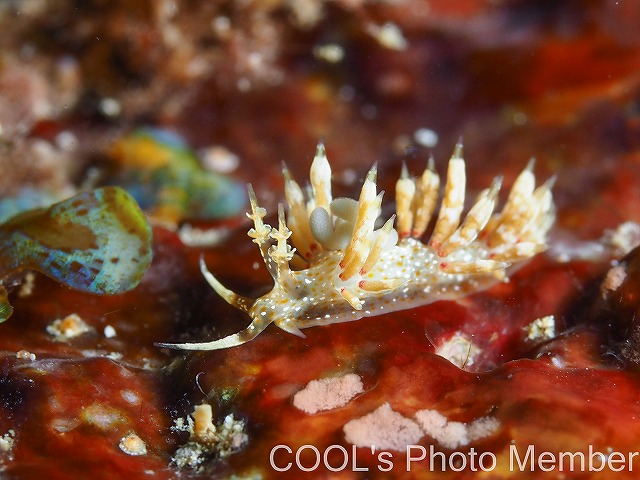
column 244, row 84
column 28, row 285
column 132, row 444
column 459, row 350
column 130, row 397
column 426, row 137
column 66, row 140
column 109, row 331
column 69, row 327
column 388, row 35
column 221, row 25
column 331, row 52
column 541, row 328
column 203, row 237
column 7, row 441
column 218, row 158
column 110, row 107
column 25, row 355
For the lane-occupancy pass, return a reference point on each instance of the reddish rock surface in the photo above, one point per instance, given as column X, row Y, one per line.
column 554, row 80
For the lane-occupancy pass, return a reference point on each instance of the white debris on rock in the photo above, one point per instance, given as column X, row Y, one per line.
column 542, row 328
column 132, row 444
column 110, row 107
column 103, row 416
column 28, row 285
column 26, row 355
column 613, row 243
column 330, row 52
column 613, row 280
column 446, row 433
column 217, row 158
column 130, row 397
column 66, row 140
column 202, row 237
column 459, row 350
column 566, row 251
column 388, row 35
column 110, row 332
column 67, row 328
column 483, row 427
column 190, row 455
column 454, row 434
column 623, row 239
column 306, row 13
column 207, row 439
column 7, row 441
column 328, row 393
column 64, row 425
column 383, row 429
column 426, row 137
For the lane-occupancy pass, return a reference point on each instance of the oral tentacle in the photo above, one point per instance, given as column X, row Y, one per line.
column 281, row 253
column 232, row 298
column 260, row 232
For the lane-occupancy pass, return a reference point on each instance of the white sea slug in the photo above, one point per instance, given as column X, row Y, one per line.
column 348, row 269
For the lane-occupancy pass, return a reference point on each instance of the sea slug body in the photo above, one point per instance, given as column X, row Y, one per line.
column 353, row 270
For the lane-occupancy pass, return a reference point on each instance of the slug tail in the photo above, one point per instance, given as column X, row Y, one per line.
column 240, row 338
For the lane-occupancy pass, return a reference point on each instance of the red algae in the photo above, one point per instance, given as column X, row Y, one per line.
column 516, row 79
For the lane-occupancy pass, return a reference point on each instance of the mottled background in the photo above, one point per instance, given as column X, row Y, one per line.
column 250, row 84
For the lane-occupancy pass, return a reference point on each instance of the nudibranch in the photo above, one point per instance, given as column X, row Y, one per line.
column 351, row 269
